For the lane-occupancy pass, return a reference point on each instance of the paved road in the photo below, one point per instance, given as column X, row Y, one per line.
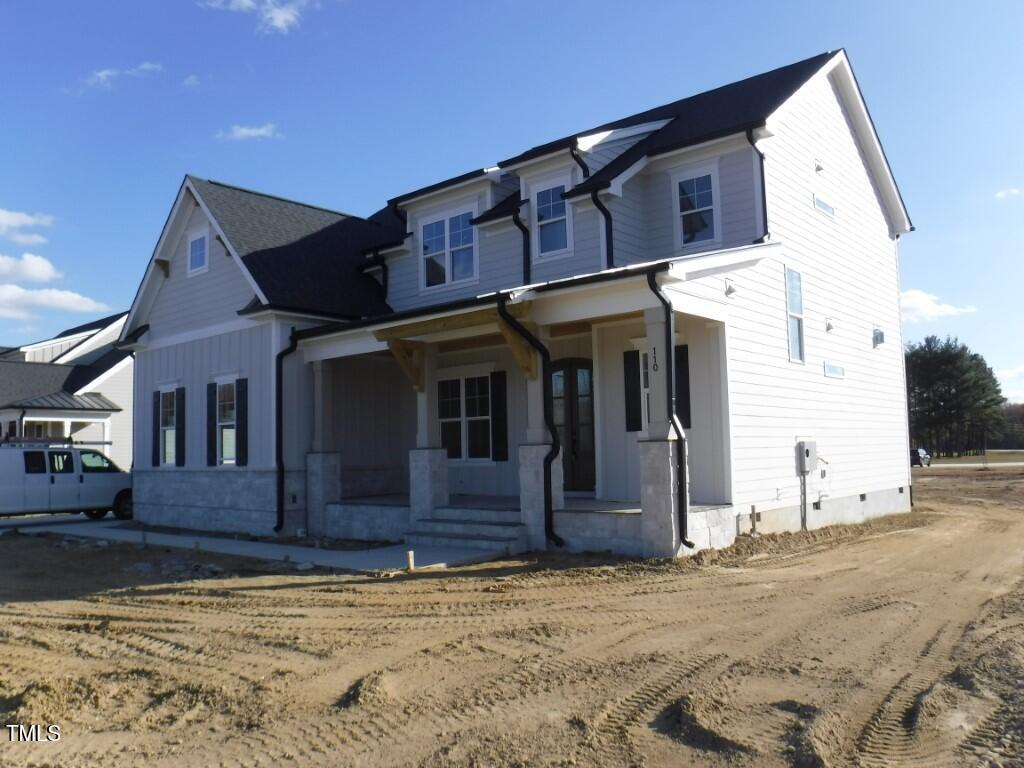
column 976, row 465
column 377, row 559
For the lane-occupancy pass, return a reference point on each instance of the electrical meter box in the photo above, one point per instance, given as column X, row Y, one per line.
column 806, row 456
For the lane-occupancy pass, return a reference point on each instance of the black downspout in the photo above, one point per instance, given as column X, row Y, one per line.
column 517, row 220
column 574, row 151
column 609, row 252
column 293, row 343
column 670, row 366
column 549, row 417
column 764, row 193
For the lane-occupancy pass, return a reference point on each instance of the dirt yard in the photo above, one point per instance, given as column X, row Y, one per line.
column 890, row 644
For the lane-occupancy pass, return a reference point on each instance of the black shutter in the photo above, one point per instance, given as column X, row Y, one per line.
column 211, row 425
column 682, row 361
column 156, row 429
column 499, row 416
column 631, row 388
column 241, row 422
column 179, row 427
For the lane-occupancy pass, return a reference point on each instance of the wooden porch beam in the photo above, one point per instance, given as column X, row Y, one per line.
column 525, row 355
column 409, row 356
column 449, row 323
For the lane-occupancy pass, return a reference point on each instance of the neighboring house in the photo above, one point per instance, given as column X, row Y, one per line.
column 406, row 376
column 76, row 385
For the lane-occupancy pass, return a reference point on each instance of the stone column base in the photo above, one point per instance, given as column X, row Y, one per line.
column 323, row 487
column 531, row 490
column 428, row 480
column 659, row 524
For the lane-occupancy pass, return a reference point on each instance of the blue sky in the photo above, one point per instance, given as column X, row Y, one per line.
column 344, row 103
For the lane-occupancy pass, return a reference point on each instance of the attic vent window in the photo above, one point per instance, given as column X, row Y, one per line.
column 198, row 253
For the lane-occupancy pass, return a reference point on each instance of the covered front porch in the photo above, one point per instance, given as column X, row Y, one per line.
column 537, row 417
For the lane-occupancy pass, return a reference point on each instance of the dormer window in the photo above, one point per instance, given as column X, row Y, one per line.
column 198, row 253
column 696, row 205
column 449, row 255
column 552, row 220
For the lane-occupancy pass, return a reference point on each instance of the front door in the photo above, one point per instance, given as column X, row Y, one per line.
column 573, row 397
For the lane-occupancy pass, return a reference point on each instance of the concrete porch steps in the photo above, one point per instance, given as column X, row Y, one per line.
column 478, row 515
column 463, row 531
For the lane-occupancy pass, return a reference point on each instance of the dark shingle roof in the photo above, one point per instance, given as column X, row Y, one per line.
column 302, row 257
column 501, row 210
column 40, row 385
column 95, row 325
column 729, row 109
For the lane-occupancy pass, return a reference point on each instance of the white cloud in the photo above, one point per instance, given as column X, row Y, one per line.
column 274, row 15
column 1003, row 194
column 12, row 224
column 29, row 268
column 105, row 78
column 1012, row 382
column 17, row 303
column 919, row 306
column 244, row 132
column 191, row 81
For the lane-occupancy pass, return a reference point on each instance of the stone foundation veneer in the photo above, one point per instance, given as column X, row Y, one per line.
column 428, row 480
column 659, row 523
column 531, row 491
column 323, row 487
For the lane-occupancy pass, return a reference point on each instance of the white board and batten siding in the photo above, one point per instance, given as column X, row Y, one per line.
column 239, row 354
column 119, row 389
column 187, row 303
column 849, row 274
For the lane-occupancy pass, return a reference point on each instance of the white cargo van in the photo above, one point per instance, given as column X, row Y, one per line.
column 54, row 477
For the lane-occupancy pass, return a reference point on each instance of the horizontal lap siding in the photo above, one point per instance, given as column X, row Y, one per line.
column 193, row 365
column 586, row 255
column 850, row 275
column 186, row 303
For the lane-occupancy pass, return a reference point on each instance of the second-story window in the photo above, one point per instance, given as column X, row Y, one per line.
column 795, row 310
column 552, row 220
column 197, row 254
column 697, row 209
column 448, row 252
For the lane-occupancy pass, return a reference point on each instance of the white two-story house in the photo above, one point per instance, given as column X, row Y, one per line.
column 646, row 337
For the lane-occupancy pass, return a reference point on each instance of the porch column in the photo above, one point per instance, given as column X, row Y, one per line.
column 659, row 524
column 428, row 461
column 323, row 467
column 531, row 462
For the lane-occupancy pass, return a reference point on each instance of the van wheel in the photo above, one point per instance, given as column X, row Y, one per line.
column 95, row 514
column 123, row 506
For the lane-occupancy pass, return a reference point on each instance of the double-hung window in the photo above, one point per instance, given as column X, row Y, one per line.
column 168, row 420
column 795, row 311
column 226, row 422
column 448, row 250
column 464, row 412
column 198, row 253
column 552, row 221
column 696, row 208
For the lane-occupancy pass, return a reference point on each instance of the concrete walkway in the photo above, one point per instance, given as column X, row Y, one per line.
column 378, row 559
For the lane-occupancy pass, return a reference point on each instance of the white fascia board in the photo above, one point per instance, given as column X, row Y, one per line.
column 588, row 142
column 100, row 337
column 702, row 265
column 490, row 175
column 356, row 342
column 841, row 73
column 56, row 340
column 227, row 244
column 93, row 386
column 149, row 276
column 615, row 188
